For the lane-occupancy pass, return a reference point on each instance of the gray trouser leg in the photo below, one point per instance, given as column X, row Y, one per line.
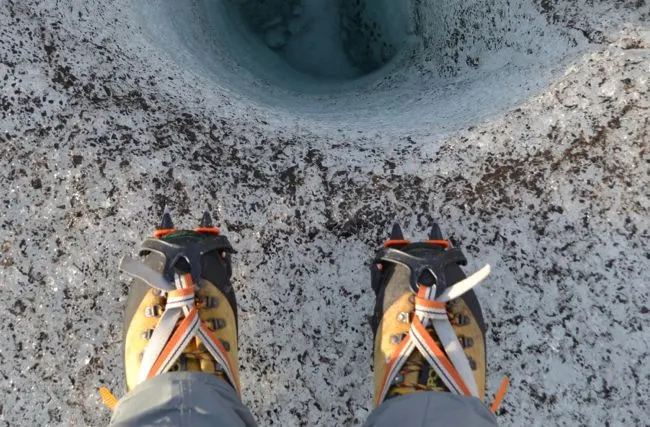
column 432, row 409
column 182, row 399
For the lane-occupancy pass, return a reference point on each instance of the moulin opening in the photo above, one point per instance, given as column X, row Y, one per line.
column 341, row 39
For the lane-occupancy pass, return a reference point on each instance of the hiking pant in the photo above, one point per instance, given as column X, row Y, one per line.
column 198, row 400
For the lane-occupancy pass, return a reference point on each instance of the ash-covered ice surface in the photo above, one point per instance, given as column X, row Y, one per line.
column 522, row 127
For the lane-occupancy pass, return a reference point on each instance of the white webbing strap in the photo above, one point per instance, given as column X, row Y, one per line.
column 163, row 332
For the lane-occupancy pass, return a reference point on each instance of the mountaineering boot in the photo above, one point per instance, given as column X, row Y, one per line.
column 181, row 312
column 427, row 323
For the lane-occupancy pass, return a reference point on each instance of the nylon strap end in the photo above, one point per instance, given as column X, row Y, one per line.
column 108, row 398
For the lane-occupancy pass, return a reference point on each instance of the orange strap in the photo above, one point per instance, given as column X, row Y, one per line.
column 177, row 336
column 440, row 355
column 390, row 363
column 211, row 230
column 498, row 398
column 429, row 303
column 217, row 342
column 390, row 243
column 160, row 233
column 181, row 292
column 444, row 243
column 108, row 398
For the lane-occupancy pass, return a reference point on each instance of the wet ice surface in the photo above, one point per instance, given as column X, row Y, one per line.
column 99, row 130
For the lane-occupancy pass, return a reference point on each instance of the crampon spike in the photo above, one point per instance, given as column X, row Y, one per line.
column 166, row 223
column 435, row 233
column 206, row 220
column 396, row 232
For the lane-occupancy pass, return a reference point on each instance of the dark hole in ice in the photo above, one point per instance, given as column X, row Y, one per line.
column 335, row 39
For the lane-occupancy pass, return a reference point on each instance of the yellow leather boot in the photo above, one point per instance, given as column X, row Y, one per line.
column 181, row 312
column 428, row 325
